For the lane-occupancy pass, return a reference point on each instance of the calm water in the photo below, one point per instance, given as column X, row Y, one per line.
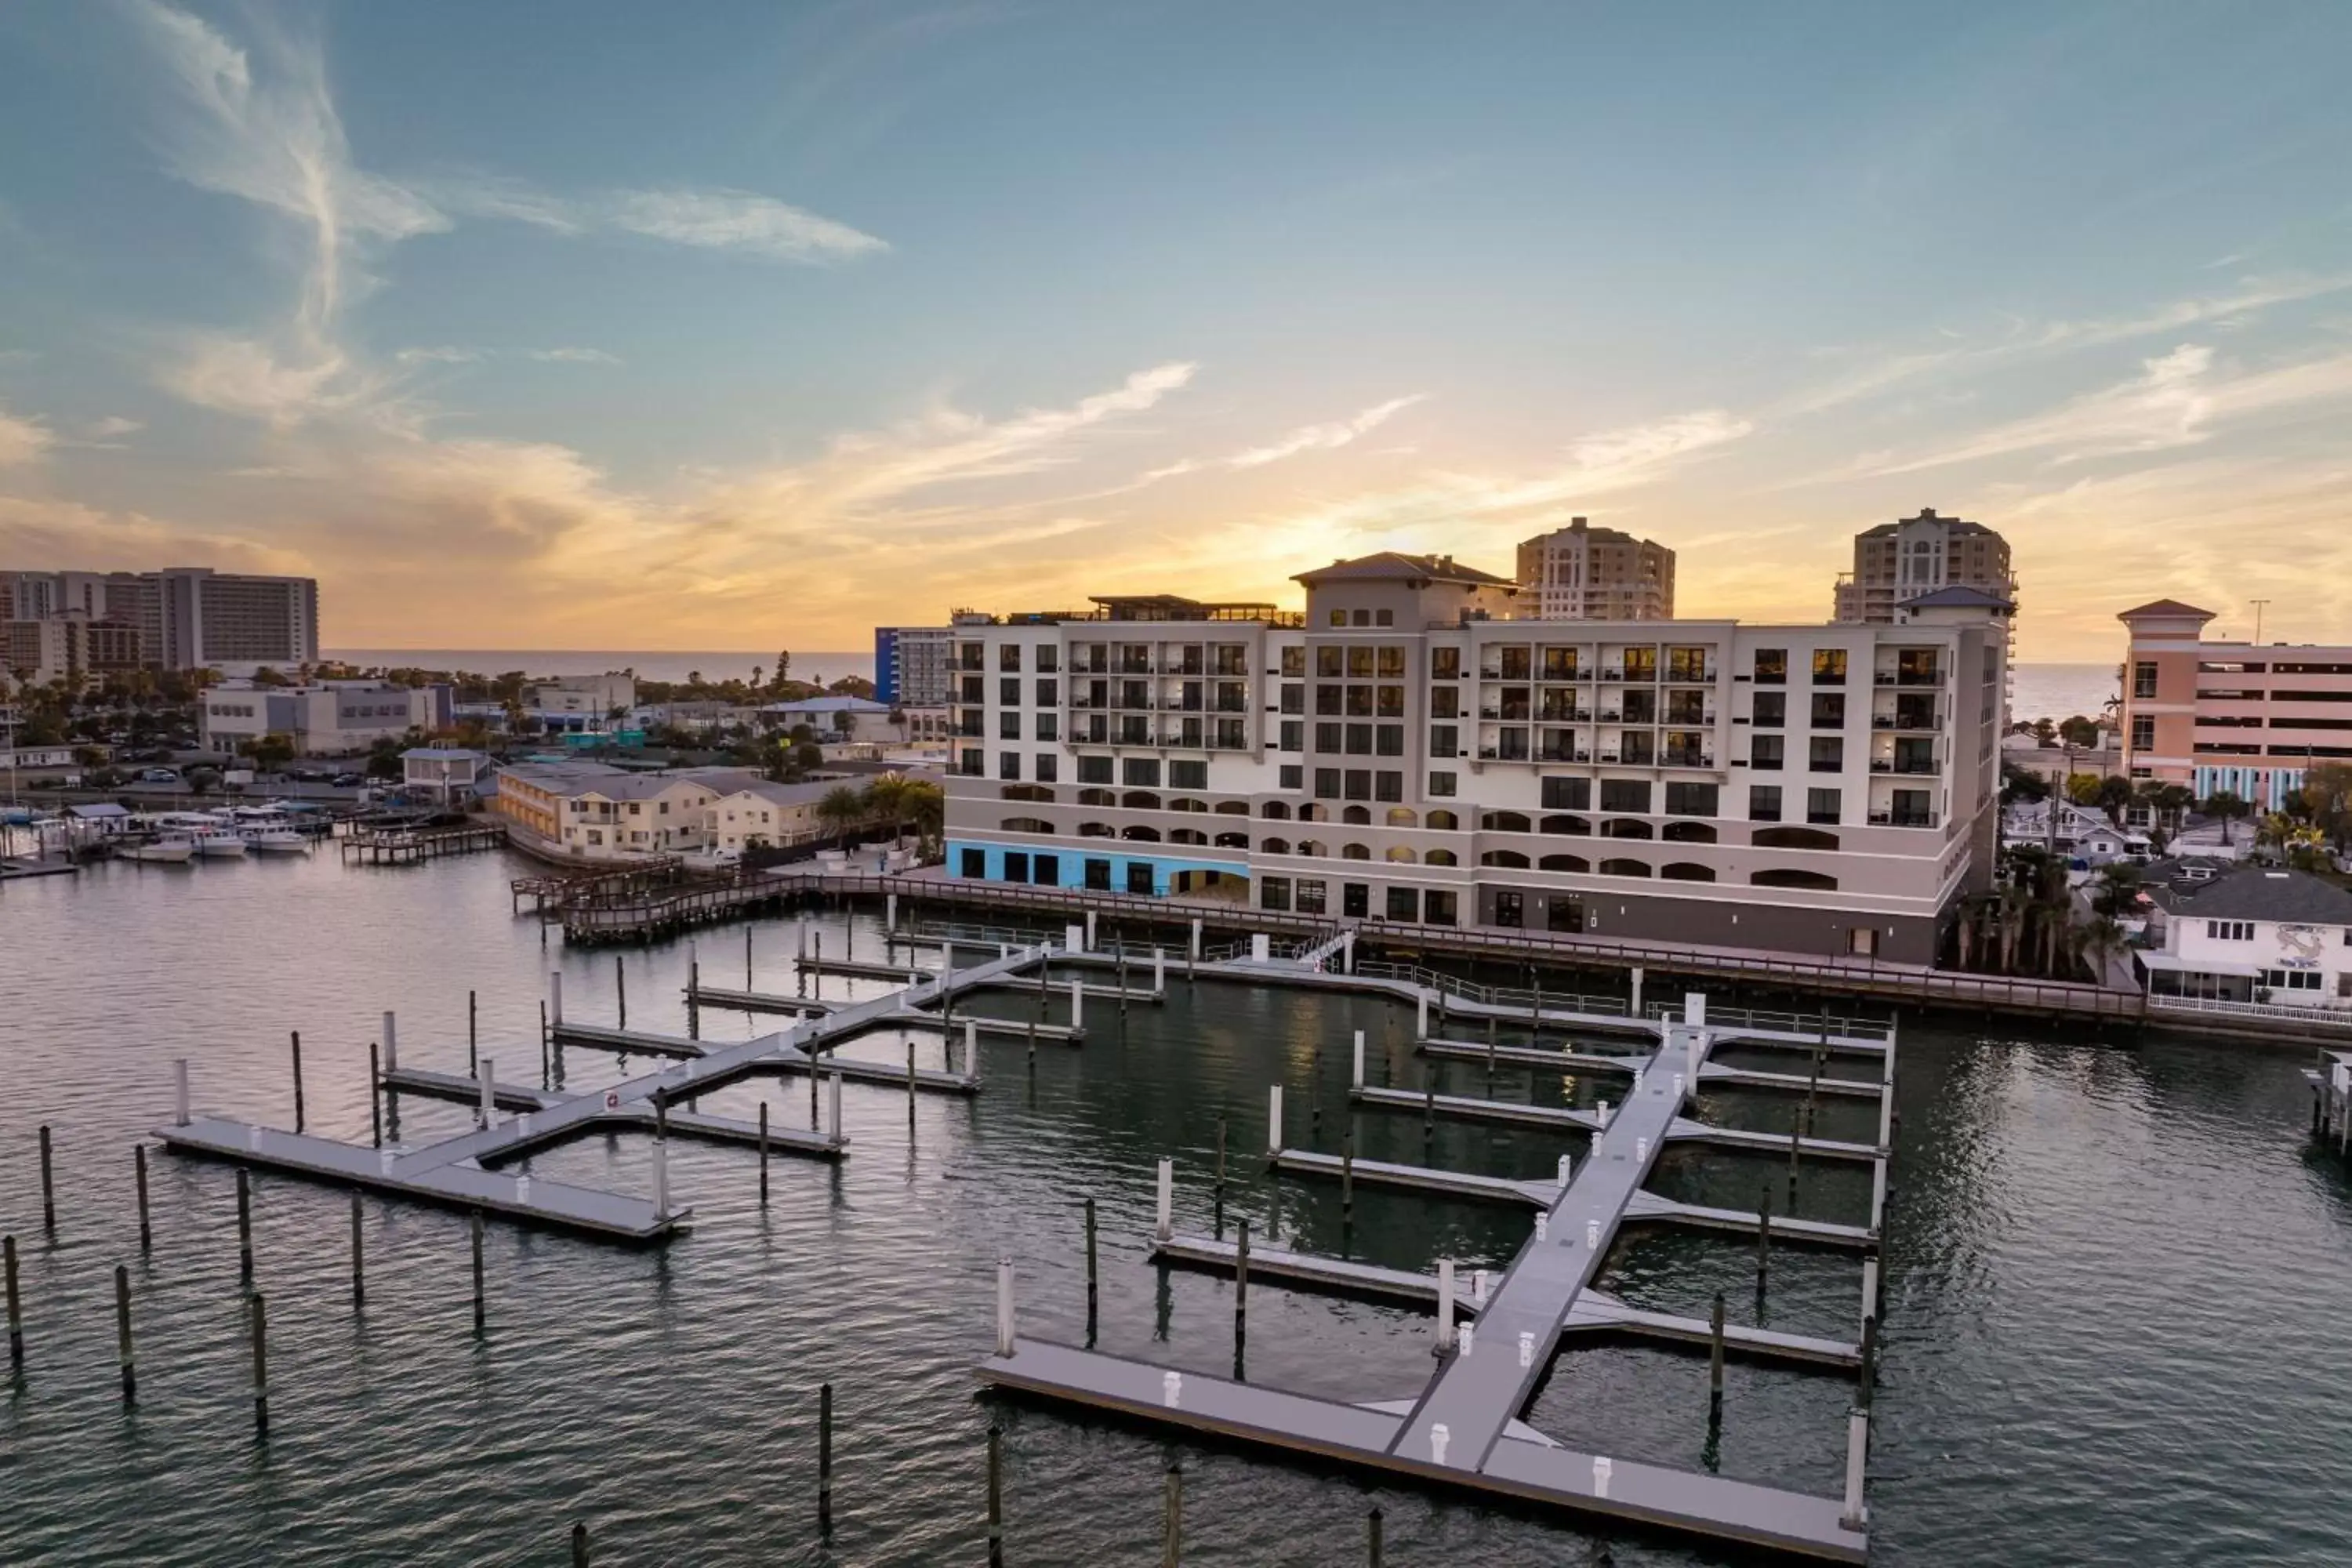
column 2117, row 1279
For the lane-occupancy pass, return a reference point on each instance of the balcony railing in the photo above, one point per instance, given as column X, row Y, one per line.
column 1903, row 819
column 1915, row 766
column 1907, row 678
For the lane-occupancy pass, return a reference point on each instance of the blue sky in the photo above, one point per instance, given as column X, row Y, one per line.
column 707, row 325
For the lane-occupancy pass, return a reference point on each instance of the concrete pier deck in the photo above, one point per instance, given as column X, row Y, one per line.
column 634, row 1115
column 1474, row 1108
column 1541, row 1058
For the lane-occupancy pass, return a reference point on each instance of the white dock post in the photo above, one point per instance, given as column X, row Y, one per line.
column 1877, row 1194
column 180, row 1092
column 661, row 1178
column 1005, row 1306
column 1592, row 1235
column 1637, row 990
column 1527, row 1348
column 1193, row 952
column 890, row 912
column 1073, row 939
column 1357, row 1081
column 1445, row 1303
column 1172, row 1389
column 799, row 938
column 1260, row 947
column 1566, row 1166
column 1543, row 1224
column 1090, row 930
column 1421, row 1017
column 555, row 997
column 1641, row 1150
column 1603, row 1114
column 971, row 1048
column 1857, row 1448
column 1438, row 1438
column 1078, row 1004
column 1886, row 1118
column 1274, row 1120
column 1465, row 1337
column 1159, row 970
column 1600, row 1470
column 1348, row 952
column 1167, row 1200
column 833, row 1101
column 392, row 1045
column 1698, row 1051
column 1680, row 1079
column 1695, row 1009
column 1869, row 1288
column 1478, row 1286
column 489, row 1101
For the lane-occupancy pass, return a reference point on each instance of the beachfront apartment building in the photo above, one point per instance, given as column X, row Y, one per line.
column 181, row 617
column 595, row 811
column 2245, row 717
column 1584, row 573
column 1404, row 750
column 330, row 719
column 1897, row 561
column 584, row 704
column 911, row 666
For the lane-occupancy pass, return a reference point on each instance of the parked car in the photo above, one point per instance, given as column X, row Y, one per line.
column 347, row 780
column 159, row 776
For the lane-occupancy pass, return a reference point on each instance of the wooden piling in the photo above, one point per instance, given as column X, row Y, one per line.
column 1865, row 1378
column 1714, row 1362
column 1172, row 1552
column 260, row 1366
column 1372, row 1538
column 481, row 1314
column 49, row 1187
column 123, row 1333
column 824, row 1457
column 16, row 1306
column 359, row 1260
column 763, row 1153
column 621, row 989
column 298, row 1079
column 1220, row 1178
column 1241, row 1299
column 146, row 1236
column 1763, row 1238
column 579, row 1545
column 244, row 1225
column 375, row 1092
column 1093, row 1295
column 747, row 958
column 546, row 1046
column 910, row 1085
column 1348, row 1177
column 995, row 1496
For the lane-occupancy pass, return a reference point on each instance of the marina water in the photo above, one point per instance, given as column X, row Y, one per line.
column 2117, row 1275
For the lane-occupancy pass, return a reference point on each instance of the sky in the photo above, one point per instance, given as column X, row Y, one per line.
column 603, row 324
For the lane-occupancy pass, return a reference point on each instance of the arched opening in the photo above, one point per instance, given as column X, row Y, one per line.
column 1399, row 855
column 1356, row 817
column 1505, row 822
column 1275, row 811
column 1440, row 858
column 1026, row 825
column 1443, row 821
column 1274, row 847
column 1402, row 816
column 1028, row 791
column 1186, row 803
column 1625, row 867
column 1310, row 812
column 1575, row 827
column 1782, row 877
column 1510, row 858
column 1187, row 835
column 1096, row 797
column 1685, row 871
column 1625, row 828
column 1141, row 800
column 1233, row 808
column 1793, row 839
column 1095, row 830
column 1312, row 846
column 1687, row 833
column 1233, row 840
column 1142, row 835
column 1565, row 863
column 1354, row 852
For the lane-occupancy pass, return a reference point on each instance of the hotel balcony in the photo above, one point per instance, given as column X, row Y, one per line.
column 1903, row 819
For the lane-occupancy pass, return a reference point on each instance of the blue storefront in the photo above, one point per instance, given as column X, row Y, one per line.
column 1115, row 868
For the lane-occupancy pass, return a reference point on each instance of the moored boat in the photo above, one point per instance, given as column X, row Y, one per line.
column 168, row 849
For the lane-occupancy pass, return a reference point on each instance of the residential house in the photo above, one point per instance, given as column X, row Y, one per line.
column 2247, row 933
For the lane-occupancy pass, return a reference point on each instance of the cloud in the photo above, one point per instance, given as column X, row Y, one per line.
column 1324, row 437
column 23, row 440
column 454, row 354
column 717, row 219
column 571, row 356
column 2177, row 399
column 110, row 426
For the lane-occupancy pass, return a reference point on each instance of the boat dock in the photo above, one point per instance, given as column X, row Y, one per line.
column 1465, row 1427
column 411, row 845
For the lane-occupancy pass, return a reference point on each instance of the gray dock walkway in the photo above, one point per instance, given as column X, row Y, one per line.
column 1474, row 1108
column 635, row 1115
column 1542, row 1057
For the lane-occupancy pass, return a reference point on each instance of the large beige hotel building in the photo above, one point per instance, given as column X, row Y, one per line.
column 1409, row 749
column 2240, row 717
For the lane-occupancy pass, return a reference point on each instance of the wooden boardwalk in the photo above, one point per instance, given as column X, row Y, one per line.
column 411, row 845
column 1464, row 1427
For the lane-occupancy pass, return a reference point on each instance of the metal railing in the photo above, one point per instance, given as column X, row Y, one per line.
column 1519, row 998
column 2323, row 1017
column 1821, row 1025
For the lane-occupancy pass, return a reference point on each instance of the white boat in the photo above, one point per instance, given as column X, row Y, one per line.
column 171, row 850
column 277, row 841
column 214, row 839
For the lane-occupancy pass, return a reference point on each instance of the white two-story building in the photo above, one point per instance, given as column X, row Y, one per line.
column 2248, row 934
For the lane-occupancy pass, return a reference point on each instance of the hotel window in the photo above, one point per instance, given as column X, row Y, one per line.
column 975, row 863
column 1188, row 776
column 1292, row 736
column 1338, row 617
column 1567, row 795
column 1355, row 900
column 2143, row 733
column 1327, row 737
column 1327, row 661
column 1049, row 659
column 1630, row 795
column 1008, row 764
column 1445, row 702
column 1438, row 906
column 1294, row 699
column 1360, row 662
column 1361, row 618
column 2144, row 677
column 1141, row 772
column 1387, row 786
column 2230, row 931
column 1383, row 617
column 1327, row 784
column 1771, row 710
column 2291, row 979
column 1444, row 663
column 1388, row 740
column 1690, row 800
column 1096, row 874
column 1441, row 784
column 1444, row 741
column 1403, row 903
column 1360, row 702
column 1829, row 710
column 1291, row 776
column 1827, row 755
column 1330, row 699
column 1821, row 806
column 1392, row 662
column 1829, row 667
column 1016, row 865
column 1766, row 752
column 1273, row 893
column 1049, row 768
column 1008, row 726
column 1094, row 770
column 1388, row 702
column 1357, row 784
column 1771, row 667
column 1294, row 661
column 1763, row 803
column 1049, row 694
column 1310, row 897
column 1049, row 726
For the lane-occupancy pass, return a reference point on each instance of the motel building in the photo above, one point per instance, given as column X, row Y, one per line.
column 1406, row 750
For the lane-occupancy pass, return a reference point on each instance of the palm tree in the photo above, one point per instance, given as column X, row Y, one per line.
column 840, row 808
column 885, row 800
column 926, row 807
column 2229, row 807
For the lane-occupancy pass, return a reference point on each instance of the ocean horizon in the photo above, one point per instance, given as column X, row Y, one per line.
column 715, row 664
